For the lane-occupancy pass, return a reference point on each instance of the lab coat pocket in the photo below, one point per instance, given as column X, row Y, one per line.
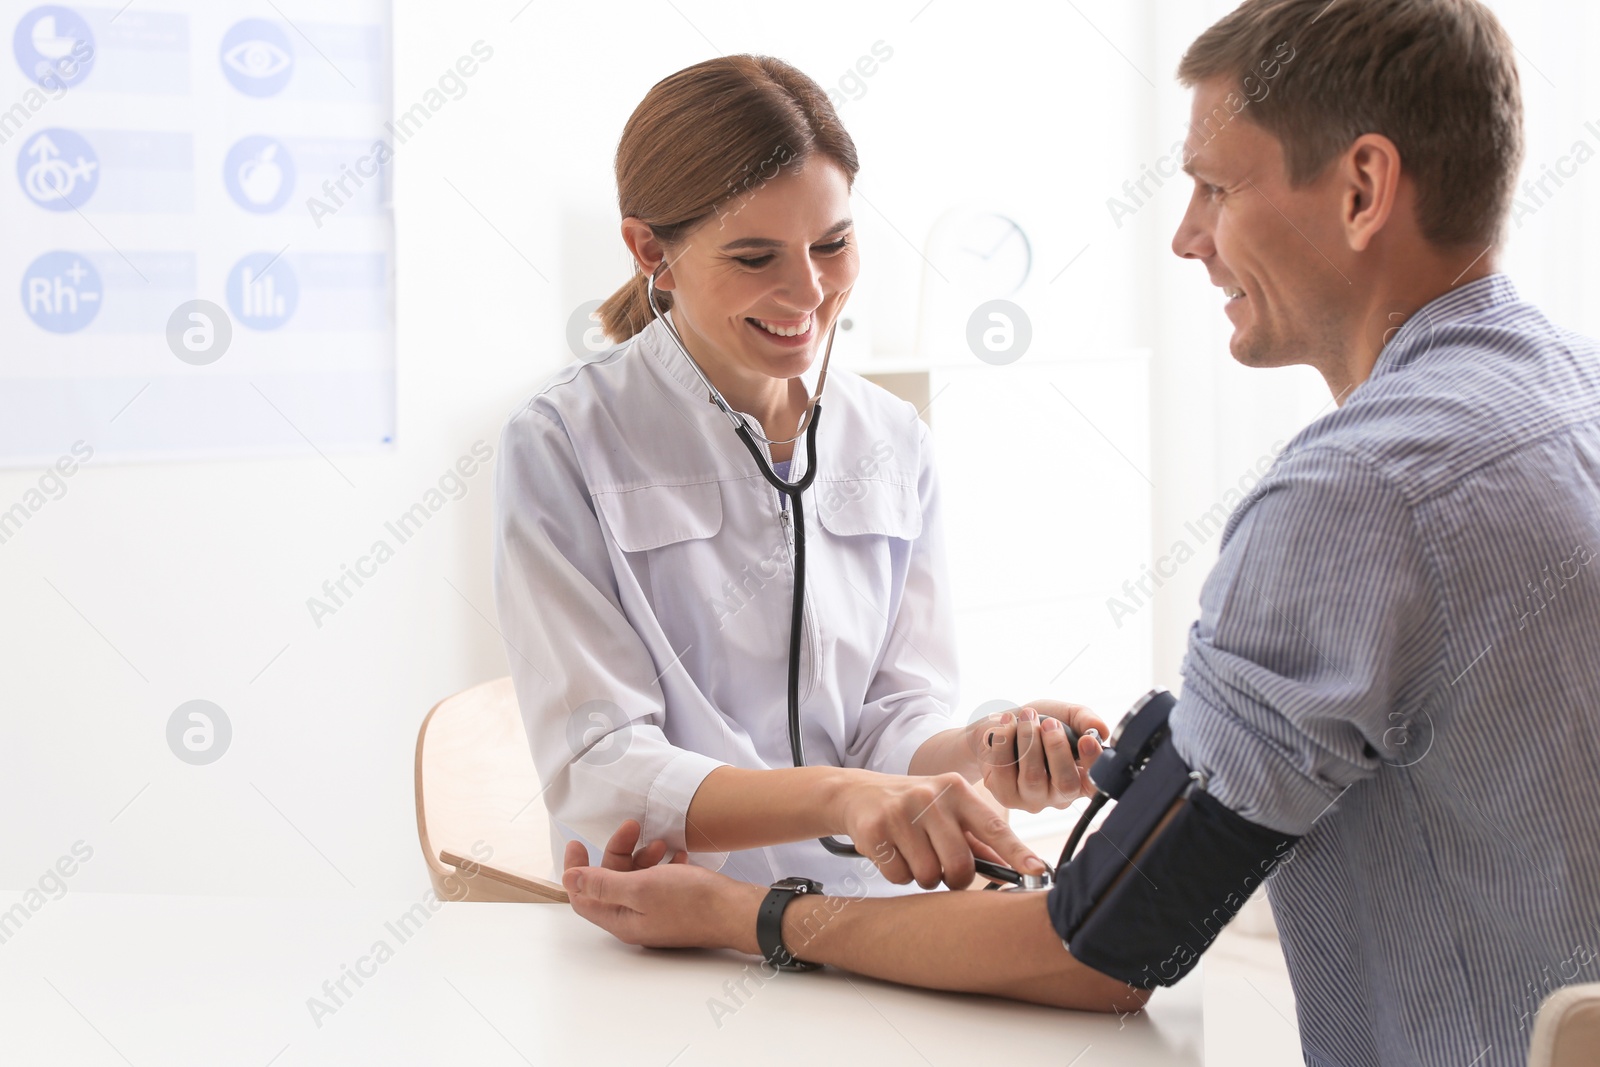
column 653, row 516
column 868, row 557
column 857, row 507
column 666, row 561
column 872, row 526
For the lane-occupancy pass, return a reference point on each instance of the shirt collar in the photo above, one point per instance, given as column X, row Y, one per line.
column 1415, row 338
column 838, row 435
column 723, row 455
column 658, row 343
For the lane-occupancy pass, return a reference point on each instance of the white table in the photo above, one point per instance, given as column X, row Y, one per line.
column 121, row 979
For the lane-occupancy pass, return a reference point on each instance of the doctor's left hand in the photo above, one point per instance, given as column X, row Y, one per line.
column 1026, row 757
column 642, row 901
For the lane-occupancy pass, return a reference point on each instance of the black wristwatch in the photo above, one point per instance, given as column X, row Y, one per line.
column 769, row 923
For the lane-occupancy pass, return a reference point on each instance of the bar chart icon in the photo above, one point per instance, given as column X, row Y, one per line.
column 263, row 291
column 259, row 296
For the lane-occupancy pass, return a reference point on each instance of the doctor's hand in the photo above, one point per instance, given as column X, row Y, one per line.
column 641, row 901
column 926, row 828
column 1026, row 756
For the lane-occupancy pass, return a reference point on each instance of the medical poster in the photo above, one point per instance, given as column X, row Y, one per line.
column 197, row 230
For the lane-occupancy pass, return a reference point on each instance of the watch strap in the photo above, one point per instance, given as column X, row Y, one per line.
column 769, row 924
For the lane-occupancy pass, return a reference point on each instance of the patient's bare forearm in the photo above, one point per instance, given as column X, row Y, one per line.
column 1000, row 944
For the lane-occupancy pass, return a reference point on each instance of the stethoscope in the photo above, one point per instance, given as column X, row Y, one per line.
column 792, row 491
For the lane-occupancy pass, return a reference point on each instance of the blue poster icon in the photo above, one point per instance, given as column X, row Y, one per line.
column 263, row 291
column 54, row 46
column 58, row 169
column 61, row 292
column 259, row 174
column 257, row 57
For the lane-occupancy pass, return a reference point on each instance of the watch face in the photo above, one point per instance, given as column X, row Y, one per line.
column 798, row 885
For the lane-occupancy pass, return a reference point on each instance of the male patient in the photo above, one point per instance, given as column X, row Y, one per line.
column 1392, row 690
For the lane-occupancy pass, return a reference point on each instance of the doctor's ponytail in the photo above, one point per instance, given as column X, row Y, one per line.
column 706, row 137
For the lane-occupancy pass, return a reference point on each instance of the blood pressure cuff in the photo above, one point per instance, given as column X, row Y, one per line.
column 1144, row 898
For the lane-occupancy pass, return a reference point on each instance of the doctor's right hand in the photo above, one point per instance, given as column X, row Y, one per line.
column 926, row 828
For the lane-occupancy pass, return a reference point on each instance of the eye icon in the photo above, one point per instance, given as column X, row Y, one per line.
column 257, row 59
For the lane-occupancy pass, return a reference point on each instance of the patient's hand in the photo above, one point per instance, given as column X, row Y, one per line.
column 660, row 905
column 622, row 851
column 1026, row 755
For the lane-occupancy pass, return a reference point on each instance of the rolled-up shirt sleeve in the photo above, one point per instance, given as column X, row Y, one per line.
column 585, row 682
column 1309, row 663
column 913, row 690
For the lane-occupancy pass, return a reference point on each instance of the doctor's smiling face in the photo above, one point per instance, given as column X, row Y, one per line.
column 757, row 286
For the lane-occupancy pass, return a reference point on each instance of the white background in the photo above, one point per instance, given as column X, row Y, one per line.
column 149, row 585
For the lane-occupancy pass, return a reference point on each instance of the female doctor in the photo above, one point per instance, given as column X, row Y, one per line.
column 644, row 564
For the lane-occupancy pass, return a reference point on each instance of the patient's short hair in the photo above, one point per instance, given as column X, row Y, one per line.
column 1436, row 77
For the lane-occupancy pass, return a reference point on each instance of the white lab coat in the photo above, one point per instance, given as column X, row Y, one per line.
column 643, row 579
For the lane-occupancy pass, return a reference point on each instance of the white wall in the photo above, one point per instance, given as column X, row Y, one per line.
column 149, row 585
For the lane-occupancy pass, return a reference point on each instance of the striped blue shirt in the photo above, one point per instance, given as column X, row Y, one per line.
column 1398, row 656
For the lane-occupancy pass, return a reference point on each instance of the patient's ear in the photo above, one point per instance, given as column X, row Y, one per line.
column 1370, row 171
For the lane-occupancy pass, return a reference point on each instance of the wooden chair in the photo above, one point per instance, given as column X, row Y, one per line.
column 483, row 827
column 1567, row 1031
column 484, row 831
